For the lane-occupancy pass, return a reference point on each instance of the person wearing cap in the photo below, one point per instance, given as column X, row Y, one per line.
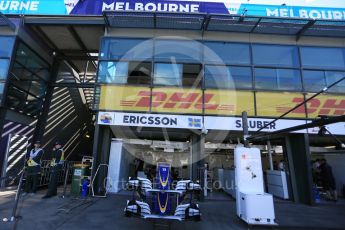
column 56, row 164
column 33, row 168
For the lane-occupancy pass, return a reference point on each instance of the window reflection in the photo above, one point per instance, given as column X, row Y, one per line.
column 321, row 58
column 124, row 72
column 6, row 46
column 277, row 79
column 228, row 65
column 333, row 76
column 179, row 51
column 226, row 53
column 314, row 81
column 127, row 49
column 168, row 74
column 2, row 86
column 228, row 77
column 27, row 82
column 274, row 55
column 113, row 72
column 177, row 75
column 4, row 64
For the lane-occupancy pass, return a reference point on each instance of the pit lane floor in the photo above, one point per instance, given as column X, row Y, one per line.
column 107, row 213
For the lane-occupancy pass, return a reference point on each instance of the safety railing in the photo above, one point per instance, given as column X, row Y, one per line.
column 46, row 171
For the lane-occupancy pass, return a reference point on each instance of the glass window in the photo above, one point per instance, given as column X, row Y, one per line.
column 227, row 53
column 314, row 81
column 37, row 88
column 127, row 49
column 113, row 72
column 29, row 59
column 6, row 46
column 2, row 86
column 177, row 74
column 317, row 57
column 4, row 64
column 180, row 51
column 277, row 79
column 139, row 73
column 22, row 85
column 289, row 79
column 273, row 55
column 27, row 82
column 228, row 77
column 168, row 74
column 33, row 106
column 265, row 78
column 331, row 77
column 20, row 72
column 16, row 98
column 191, row 75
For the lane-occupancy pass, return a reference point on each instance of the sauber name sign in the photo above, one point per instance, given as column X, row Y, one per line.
column 314, row 9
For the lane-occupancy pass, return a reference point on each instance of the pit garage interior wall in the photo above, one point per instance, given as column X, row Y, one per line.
column 120, row 160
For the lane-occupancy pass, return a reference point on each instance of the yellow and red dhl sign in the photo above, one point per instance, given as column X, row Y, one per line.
column 216, row 102
column 175, row 100
column 277, row 104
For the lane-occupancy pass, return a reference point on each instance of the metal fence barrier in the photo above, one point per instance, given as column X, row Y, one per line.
column 46, row 171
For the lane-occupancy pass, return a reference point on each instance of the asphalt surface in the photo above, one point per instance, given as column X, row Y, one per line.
column 107, row 213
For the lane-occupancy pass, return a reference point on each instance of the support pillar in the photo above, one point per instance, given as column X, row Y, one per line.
column 101, row 151
column 197, row 158
column 298, row 153
column 269, row 148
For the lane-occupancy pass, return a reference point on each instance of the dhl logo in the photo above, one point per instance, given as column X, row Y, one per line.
column 328, row 106
column 177, row 100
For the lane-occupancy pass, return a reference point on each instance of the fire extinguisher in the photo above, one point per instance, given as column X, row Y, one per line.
column 84, row 188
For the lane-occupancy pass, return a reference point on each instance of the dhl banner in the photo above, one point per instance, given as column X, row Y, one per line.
column 275, row 104
column 325, row 105
column 216, row 102
column 228, row 102
column 125, row 98
column 176, row 100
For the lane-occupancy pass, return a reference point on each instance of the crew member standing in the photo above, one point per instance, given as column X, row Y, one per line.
column 33, row 168
column 328, row 181
column 56, row 163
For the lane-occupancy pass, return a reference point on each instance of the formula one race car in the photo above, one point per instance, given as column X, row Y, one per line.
column 162, row 197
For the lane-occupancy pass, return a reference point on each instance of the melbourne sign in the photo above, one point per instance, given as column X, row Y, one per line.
column 311, row 9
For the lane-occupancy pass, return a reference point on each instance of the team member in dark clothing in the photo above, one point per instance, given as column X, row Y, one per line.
column 56, row 163
column 33, row 168
column 327, row 179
